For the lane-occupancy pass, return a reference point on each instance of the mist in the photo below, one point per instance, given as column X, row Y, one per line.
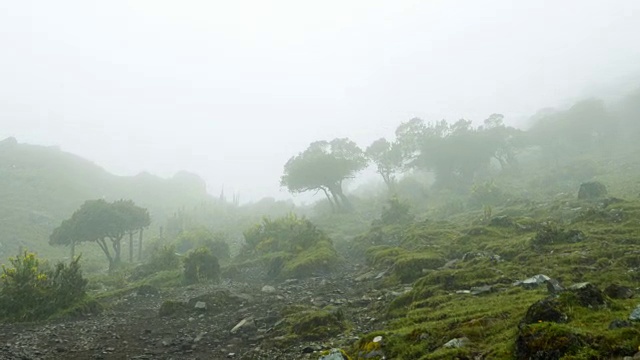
column 231, row 90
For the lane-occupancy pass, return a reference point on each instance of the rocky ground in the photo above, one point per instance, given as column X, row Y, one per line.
column 235, row 320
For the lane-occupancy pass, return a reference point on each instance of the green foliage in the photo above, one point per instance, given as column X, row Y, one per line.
column 200, row 265
column 486, row 194
column 388, row 158
column 290, row 246
column 31, row 291
column 324, row 166
column 216, row 242
column 397, row 212
column 98, row 220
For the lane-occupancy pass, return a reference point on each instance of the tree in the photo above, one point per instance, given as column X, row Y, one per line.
column 103, row 223
column 456, row 153
column 388, row 159
column 323, row 166
column 135, row 219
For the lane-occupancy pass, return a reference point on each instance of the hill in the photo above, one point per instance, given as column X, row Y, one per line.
column 40, row 186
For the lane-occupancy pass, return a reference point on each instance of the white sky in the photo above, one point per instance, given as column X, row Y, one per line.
column 231, row 89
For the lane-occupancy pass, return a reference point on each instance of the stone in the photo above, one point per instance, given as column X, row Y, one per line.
column 616, row 291
column 545, row 310
column 553, row 286
column 268, row 289
column 617, row 324
column 533, row 281
column 456, row 343
column 481, row 290
column 334, row 354
column 592, row 190
column 635, row 314
column 588, row 295
column 244, row 324
column 200, row 305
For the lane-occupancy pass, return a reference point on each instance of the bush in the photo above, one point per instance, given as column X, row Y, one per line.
column 201, row 265
column 30, row 291
column 216, row 242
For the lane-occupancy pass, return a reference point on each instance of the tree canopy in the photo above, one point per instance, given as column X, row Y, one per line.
column 100, row 221
column 323, row 166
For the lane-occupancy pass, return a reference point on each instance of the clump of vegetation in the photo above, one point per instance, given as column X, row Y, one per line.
column 216, row 242
column 552, row 234
column 163, row 258
column 317, row 324
column 201, row 265
column 31, row 290
column 289, row 247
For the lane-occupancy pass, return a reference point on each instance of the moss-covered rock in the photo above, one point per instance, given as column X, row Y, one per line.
column 547, row 341
column 314, row 324
column 170, row 307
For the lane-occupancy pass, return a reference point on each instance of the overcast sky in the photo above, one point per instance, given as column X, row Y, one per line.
column 231, row 89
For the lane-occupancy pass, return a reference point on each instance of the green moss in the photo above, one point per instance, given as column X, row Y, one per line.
column 313, row 324
column 320, row 258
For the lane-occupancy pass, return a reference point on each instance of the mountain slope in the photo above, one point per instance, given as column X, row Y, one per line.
column 40, row 186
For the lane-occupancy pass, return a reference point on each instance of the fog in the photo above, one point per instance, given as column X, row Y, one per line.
column 231, row 90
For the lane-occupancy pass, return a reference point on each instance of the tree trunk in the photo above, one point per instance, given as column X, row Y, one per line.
column 346, row 204
column 131, row 246
column 333, row 206
column 140, row 243
column 105, row 249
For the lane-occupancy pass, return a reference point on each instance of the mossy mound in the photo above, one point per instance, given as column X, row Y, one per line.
column 312, row 324
column 406, row 266
column 170, row 307
column 288, row 247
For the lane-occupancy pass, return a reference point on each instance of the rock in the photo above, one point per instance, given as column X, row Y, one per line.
column 592, row 190
column 617, row 324
column 244, row 324
column 268, row 289
column 616, row 291
column 533, row 281
column 450, row 264
column 200, row 305
column 170, row 307
column 546, row 342
column 334, row 354
column 553, row 286
column 366, row 276
column 456, row 343
column 481, row 290
column 635, row 314
column 588, row 295
column 377, row 339
column 545, row 310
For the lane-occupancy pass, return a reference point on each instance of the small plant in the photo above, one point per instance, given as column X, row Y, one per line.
column 201, row 265
column 31, row 291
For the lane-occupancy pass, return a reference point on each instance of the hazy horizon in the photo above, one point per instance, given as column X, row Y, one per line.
column 230, row 91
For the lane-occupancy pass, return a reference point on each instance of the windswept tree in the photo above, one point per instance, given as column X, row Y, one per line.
column 387, row 156
column 135, row 220
column 103, row 223
column 456, row 153
column 323, row 166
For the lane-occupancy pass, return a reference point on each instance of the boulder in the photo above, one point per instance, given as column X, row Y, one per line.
column 588, row 295
column 592, row 190
column 548, row 310
column 616, row 291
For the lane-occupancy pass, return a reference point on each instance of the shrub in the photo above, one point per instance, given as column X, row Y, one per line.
column 201, row 265
column 31, row 291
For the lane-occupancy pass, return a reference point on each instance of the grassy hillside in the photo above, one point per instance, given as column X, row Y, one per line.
column 41, row 186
